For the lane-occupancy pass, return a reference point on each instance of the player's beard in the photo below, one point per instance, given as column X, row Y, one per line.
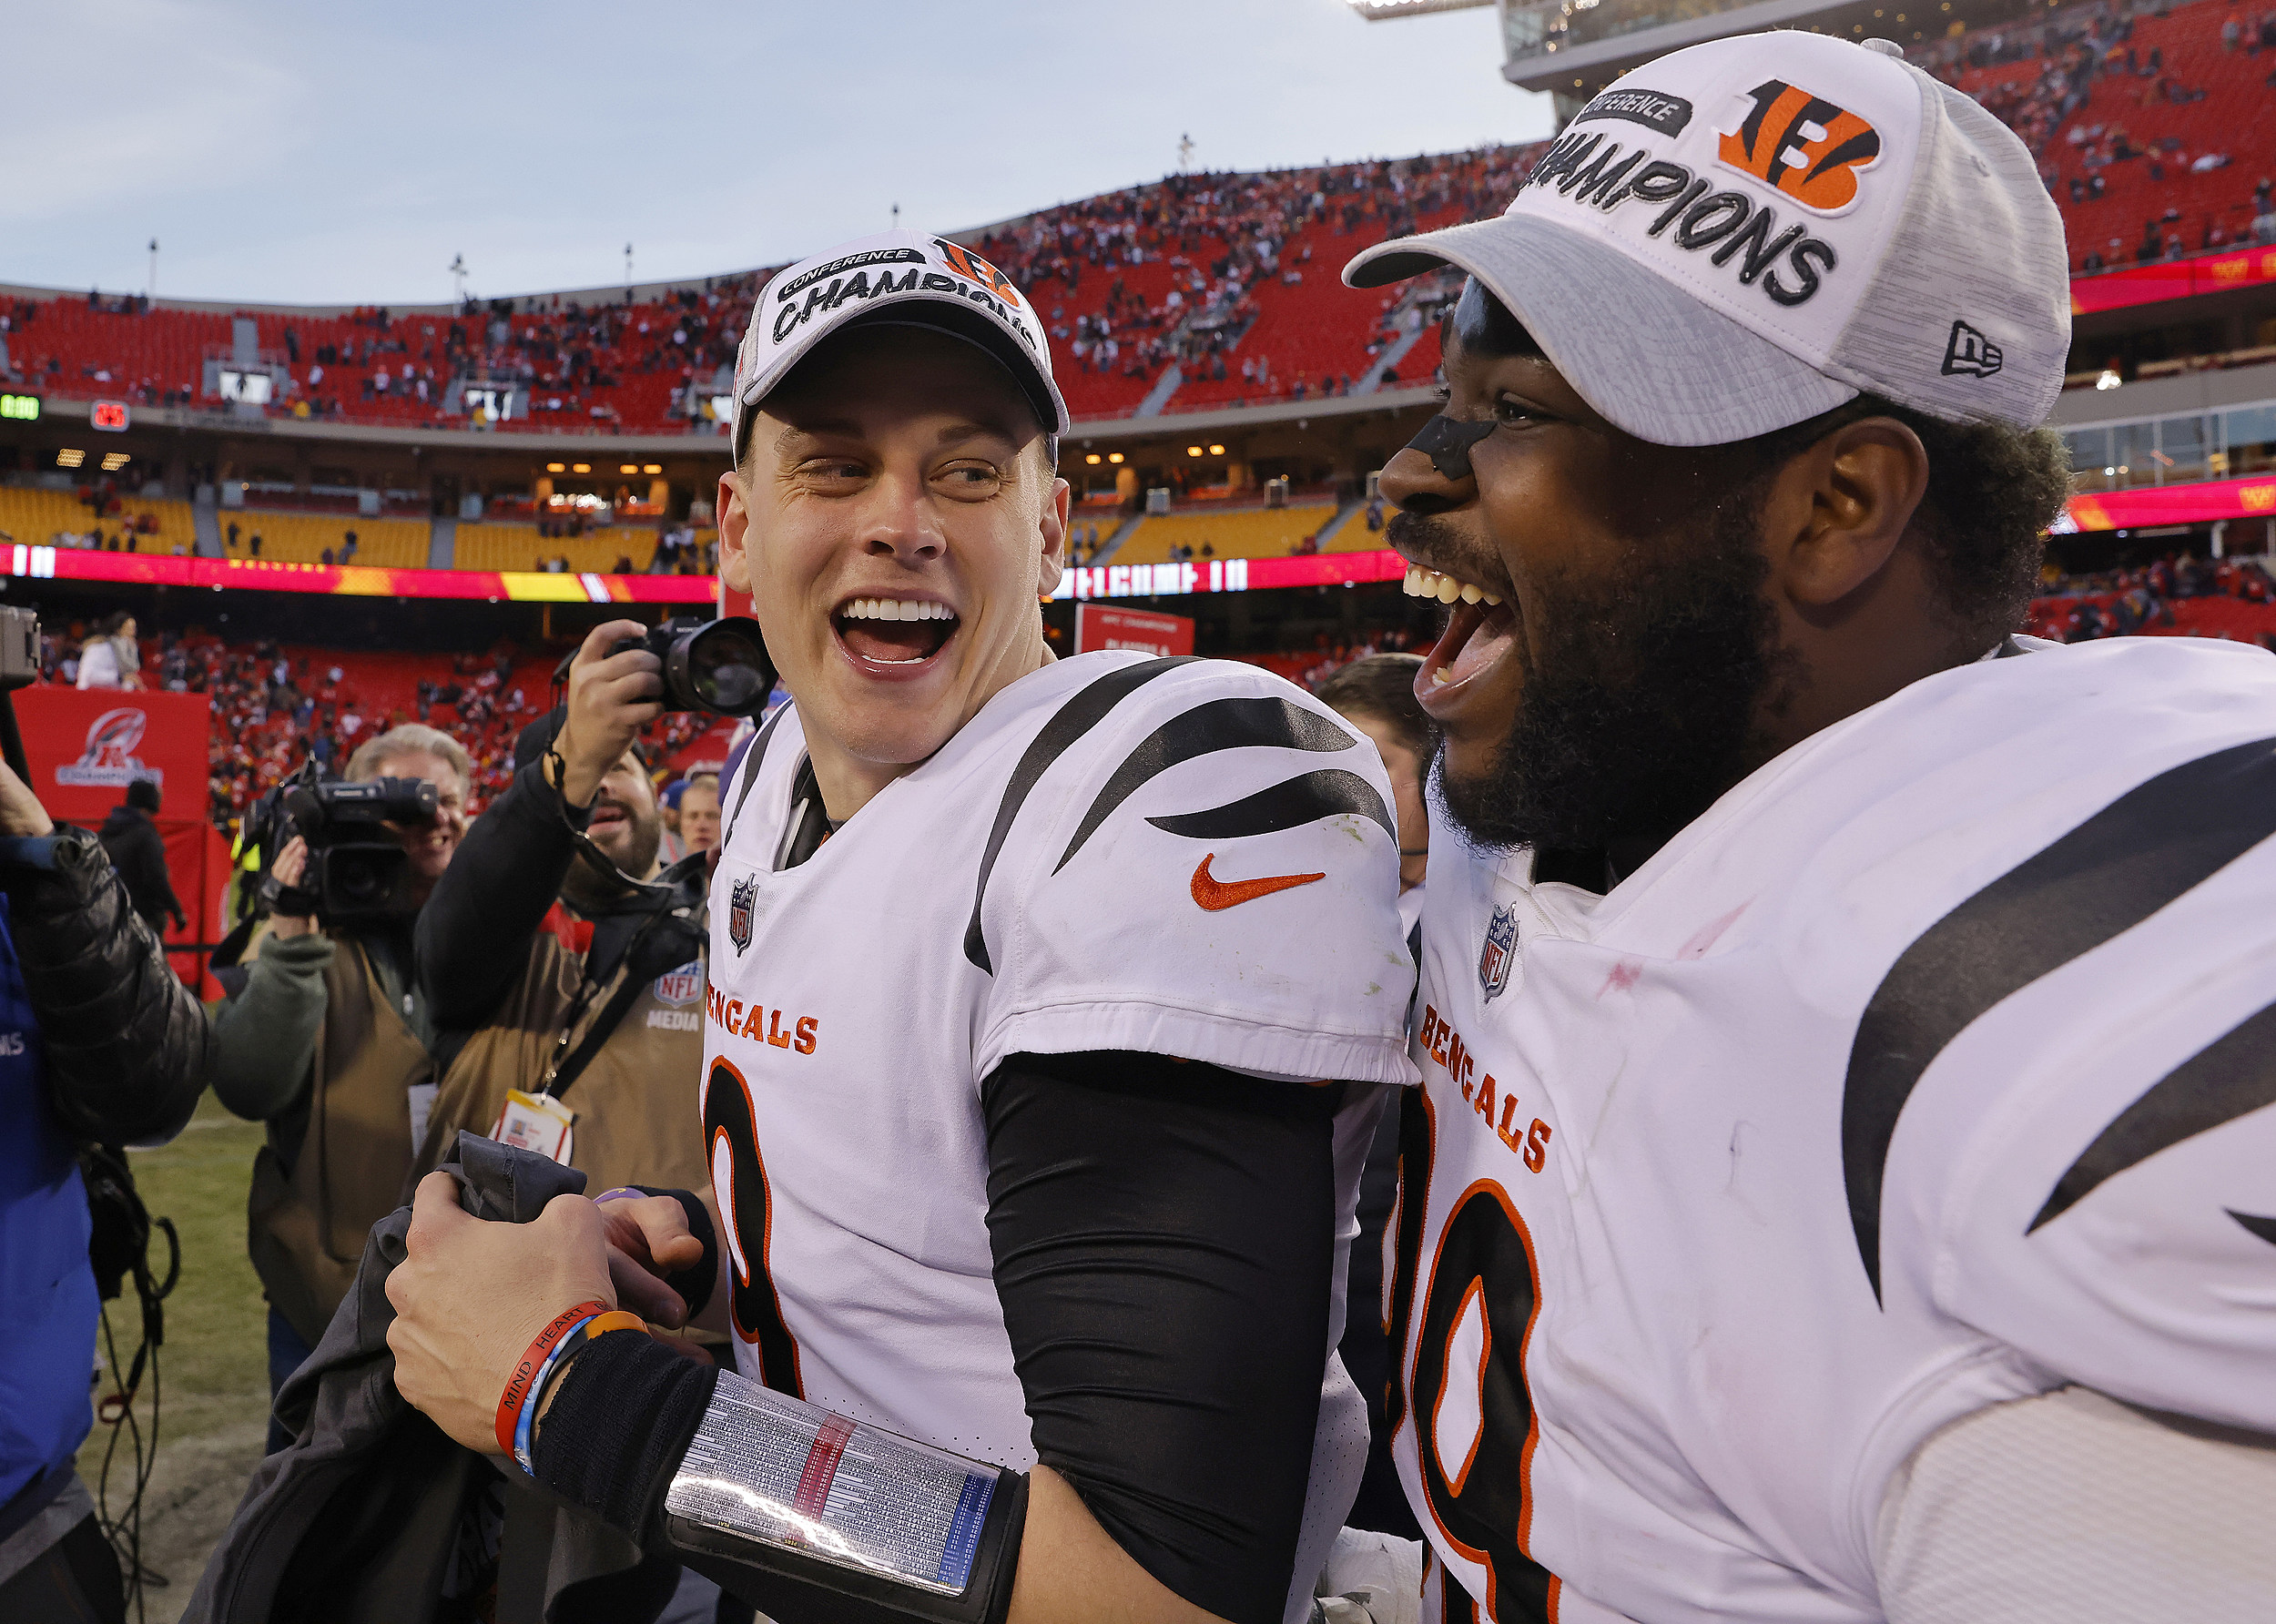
column 1643, row 695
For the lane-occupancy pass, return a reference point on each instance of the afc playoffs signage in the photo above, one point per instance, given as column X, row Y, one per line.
column 1098, row 581
column 1228, row 575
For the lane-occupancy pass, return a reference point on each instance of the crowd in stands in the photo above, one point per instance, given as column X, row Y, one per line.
column 275, row 707
column 2137, row 111
column 2154, row 122
column 1192, row 262
column 2156, row 597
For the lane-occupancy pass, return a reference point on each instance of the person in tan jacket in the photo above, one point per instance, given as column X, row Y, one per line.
column 326, row 1037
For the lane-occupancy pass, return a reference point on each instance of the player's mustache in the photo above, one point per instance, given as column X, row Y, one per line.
column 1429, row 540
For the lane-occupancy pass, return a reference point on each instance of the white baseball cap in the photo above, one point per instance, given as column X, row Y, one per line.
column 906, row 279
column 1743, row 234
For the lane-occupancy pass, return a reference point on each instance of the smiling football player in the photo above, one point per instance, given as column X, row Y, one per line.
column 1026, row 974
column 1841, row 1186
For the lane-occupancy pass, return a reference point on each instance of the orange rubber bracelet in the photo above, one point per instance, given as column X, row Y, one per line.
column 518, row 1385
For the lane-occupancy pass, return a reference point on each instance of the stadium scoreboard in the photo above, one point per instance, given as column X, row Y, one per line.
column 21, row 408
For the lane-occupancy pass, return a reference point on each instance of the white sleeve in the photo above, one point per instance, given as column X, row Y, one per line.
column 1211, row 873
column 2071, row 1508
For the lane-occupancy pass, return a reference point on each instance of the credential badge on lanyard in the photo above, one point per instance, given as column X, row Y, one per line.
column 535, row 1122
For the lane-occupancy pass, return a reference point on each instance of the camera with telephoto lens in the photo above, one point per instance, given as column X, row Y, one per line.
column 358, row 872
column 710, row 665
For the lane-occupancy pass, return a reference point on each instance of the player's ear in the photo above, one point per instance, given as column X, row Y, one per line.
column 1837, row 512
column 1051, row 527
column 735, row 522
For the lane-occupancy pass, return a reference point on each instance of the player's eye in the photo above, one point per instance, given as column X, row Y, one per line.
column 969, row 478
column 1510, row 412
column 832, row 470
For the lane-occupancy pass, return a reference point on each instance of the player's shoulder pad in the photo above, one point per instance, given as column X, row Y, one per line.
column 1275, row 760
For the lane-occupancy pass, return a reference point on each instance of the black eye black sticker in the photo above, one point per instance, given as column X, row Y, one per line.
column 1448, row 443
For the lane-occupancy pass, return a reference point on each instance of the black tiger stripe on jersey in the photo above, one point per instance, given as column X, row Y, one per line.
column 2234, row 1075
column 2254, row 1224
column 1287, row 804
column 2126, row 862
column 1081, row 714
column 1216, row 725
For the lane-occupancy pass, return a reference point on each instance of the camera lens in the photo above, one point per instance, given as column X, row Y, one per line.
column 727, row 668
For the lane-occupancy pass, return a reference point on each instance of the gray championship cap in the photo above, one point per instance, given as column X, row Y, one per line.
column 906, row 279
column 1743, row 234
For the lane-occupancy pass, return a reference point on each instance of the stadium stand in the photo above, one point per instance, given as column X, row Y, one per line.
column 310, row 538
column 1249, row 532
column 2154, row 128
column 275, row 706
column 34, row 516
column 492, row 547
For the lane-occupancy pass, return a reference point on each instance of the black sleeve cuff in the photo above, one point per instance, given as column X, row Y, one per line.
column 617, row 1426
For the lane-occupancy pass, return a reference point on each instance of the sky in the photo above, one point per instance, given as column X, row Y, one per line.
column 287, row 152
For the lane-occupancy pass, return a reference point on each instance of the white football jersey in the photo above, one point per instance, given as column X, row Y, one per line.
column 1930, row 1068
column 1180, row 858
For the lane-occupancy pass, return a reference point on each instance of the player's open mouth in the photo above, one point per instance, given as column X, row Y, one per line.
column 894, row 636
column 1478, row 633
column 607, row 814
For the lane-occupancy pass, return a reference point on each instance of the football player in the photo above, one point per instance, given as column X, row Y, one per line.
column 1843, row 1185
column 1025, row 978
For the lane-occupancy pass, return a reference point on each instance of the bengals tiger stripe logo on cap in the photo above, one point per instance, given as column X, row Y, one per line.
column 1808, row 147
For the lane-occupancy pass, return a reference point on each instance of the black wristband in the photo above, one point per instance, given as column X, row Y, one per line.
column 695, row 1282
column 618, row 1423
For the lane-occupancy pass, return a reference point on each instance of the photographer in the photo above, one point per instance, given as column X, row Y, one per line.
column 326, row 1037
column 99, row 1042
column 584, row 1021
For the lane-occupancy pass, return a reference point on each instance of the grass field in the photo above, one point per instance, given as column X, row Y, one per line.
column 213, row 1387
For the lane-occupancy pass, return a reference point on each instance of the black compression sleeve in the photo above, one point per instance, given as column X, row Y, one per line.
column 1163, row 1234
column 617, row 1428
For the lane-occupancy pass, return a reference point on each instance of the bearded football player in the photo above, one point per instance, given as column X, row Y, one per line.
column 1030, row 1203
column 1844, row 1184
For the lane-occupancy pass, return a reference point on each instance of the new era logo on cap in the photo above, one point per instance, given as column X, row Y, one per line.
column 1970, row 353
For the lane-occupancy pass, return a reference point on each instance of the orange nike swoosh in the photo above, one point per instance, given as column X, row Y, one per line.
column 1215, row 894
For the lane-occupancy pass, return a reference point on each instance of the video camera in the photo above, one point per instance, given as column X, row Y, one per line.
column 358, row 872
column 718, row 666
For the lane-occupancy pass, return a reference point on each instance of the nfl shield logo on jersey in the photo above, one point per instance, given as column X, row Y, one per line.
column 740, row 904
column 1499, row 953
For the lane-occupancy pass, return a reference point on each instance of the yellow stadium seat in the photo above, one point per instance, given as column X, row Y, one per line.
column 490, row 546
column 301, row 538
column 1253, row 532
column 34, row 518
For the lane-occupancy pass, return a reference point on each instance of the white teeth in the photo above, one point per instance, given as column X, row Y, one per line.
column 1438, row 677
column 897, row 609
column 1429, row 583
